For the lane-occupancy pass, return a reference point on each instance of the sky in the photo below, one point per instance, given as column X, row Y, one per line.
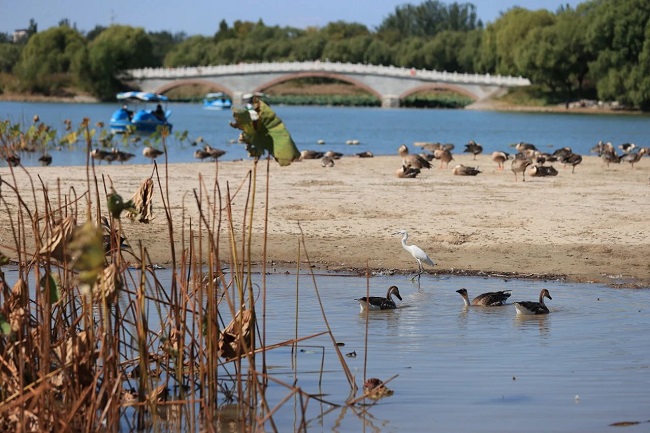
column 202, row 17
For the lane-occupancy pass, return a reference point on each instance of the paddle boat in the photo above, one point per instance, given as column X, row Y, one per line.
column 142, row 120
column 216, row 101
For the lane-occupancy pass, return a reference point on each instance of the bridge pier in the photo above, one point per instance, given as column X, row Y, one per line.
column 390, row 101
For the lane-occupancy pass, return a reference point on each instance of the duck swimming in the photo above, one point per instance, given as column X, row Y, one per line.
column 378, row 303
column 489, row 299
column 531, row 308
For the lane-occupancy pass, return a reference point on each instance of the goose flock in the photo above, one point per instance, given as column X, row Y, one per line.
column 488, row 299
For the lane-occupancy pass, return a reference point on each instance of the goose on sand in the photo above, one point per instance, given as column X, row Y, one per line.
column 473, row 147
column 378, row 303
column 412, row 159
column 462, row 170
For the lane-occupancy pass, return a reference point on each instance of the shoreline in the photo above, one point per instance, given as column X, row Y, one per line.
column 486, row 105
column 585, row 227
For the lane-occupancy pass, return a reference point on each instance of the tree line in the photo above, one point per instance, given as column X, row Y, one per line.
column 601, row 48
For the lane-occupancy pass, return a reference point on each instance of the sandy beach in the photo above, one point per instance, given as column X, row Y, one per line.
column 589, row 226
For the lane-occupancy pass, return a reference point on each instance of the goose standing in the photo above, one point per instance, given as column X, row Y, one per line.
column 378, row 303
column 573, row 159
column 489, row 299
column 418, row 254
column 519, row 165
column 444, row 155
column 500, row 158
column 531, row 308
column 634, row 157
column 473, row 148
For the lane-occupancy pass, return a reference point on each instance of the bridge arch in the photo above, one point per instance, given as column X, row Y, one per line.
column 435, row 86
column 314, row 74
column 193, row 81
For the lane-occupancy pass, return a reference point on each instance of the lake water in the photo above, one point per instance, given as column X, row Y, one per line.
column 579, row 369
column 378, row 130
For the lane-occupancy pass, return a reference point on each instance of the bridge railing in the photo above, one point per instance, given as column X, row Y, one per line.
column 334, row 67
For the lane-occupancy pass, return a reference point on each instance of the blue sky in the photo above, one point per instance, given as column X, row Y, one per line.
column 203, row 16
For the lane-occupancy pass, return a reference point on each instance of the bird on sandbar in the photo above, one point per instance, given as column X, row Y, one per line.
column 418, row 254
column 634, row 157
column 311, row 154
column 627, row 147
column 327, row 161
column 488, row 299
column 213, row 152
column 473, row 147
column 366, row 154
column 333, row 155
column 530, row 308
column 373, row 303
column 461, row 170
column 519, row 165
column 444, row 155
column 151, row 153
column 405, row 172
column 45, row 159
column 412, row 159
column 500, row 158
column 573, row 159
column 122, row 156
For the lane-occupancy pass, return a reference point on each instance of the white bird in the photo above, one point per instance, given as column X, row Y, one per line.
column 379, row 303
column 417, row 252
column 532, row 308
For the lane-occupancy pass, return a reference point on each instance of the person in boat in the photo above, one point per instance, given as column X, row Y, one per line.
column 127, row 111
column 159, row 113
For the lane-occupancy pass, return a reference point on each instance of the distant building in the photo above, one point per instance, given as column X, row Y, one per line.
column 19, row 35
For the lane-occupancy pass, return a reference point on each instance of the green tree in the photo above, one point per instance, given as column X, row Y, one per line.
column 57, row 50
column 468, row 55
column 514, row 27
column 618, row 33
column 114, row 51
column 193, row 51
column 430, row 18
column 379, row 53
column 162, row 43
column 556, row 55
column 410, row 53
column 9, row 55
column 441, row 52
column 309, row 46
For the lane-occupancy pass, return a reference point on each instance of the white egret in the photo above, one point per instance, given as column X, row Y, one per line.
column 417, row 252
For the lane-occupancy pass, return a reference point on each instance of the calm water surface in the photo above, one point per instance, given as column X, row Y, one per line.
column 378, row 130
column 581, row 368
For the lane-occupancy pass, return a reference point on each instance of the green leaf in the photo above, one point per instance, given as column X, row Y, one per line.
column 116, row 205
column 54, row 288
column 5, row 327
column 267, row 133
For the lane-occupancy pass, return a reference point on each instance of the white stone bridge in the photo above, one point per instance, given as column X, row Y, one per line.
column 389, row 83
